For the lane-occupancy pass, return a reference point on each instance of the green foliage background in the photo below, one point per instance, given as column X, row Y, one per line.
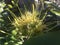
column 8, row 32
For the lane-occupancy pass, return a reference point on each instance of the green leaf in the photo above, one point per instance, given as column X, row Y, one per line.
column 56, row 12
column 10, row 6
column 47, row 2
column 2, row 31
column 1, row 20
column 1, row 37
column 14, row 32
column 6, row 43
column 20, row 42
column 12, row 37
